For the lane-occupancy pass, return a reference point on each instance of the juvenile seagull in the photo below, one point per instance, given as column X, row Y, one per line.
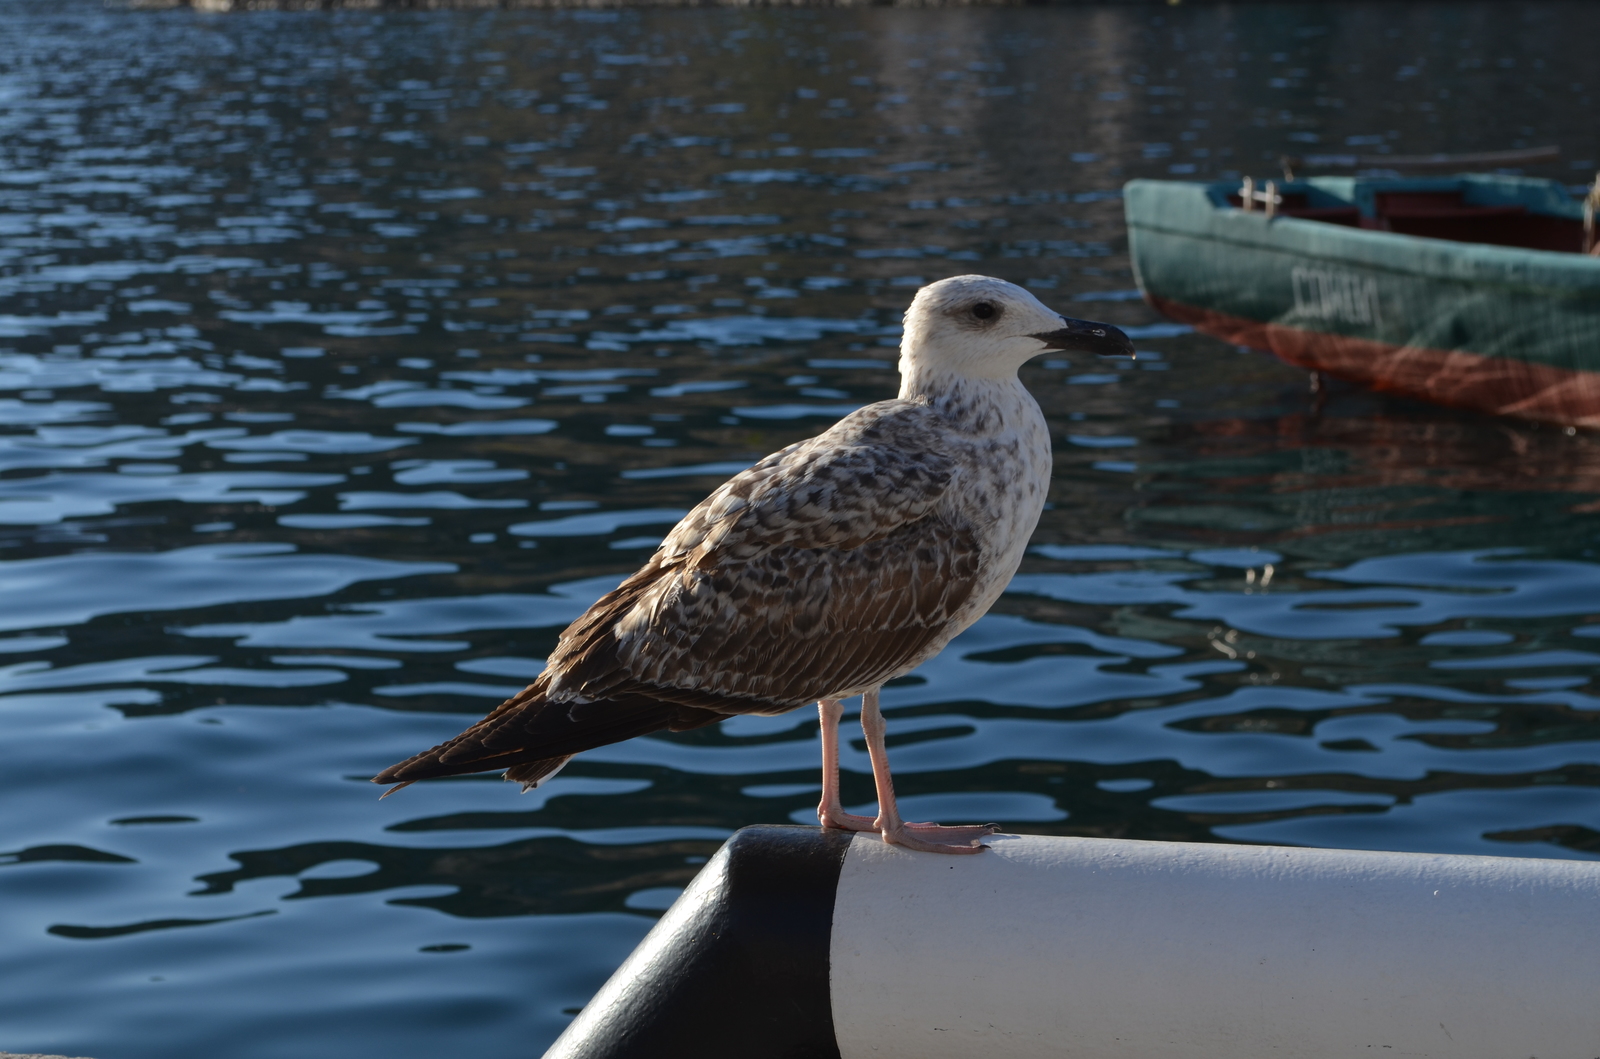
column 824, row 571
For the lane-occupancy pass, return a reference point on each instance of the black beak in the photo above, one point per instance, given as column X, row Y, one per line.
column 1085, row 336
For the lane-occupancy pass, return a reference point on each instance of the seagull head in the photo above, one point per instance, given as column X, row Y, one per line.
column 985, row 328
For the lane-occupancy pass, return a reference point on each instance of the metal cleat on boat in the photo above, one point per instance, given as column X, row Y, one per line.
column 1268, row 196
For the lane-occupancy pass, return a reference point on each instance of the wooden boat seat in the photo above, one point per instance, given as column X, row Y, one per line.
column 1439, row 215
column 1447, row 215
column 1443, row 215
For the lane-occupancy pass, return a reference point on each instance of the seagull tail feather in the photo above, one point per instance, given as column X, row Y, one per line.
column 532, row 738
column 466, row 752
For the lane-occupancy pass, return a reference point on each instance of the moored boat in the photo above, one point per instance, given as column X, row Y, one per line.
column 1469, row 290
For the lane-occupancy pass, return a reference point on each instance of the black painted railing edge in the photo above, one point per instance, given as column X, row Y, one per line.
column 737, row 967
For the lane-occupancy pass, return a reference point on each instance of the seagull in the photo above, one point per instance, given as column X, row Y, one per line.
column 821, row 573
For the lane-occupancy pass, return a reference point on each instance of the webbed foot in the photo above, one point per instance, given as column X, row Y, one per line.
column 936, row 838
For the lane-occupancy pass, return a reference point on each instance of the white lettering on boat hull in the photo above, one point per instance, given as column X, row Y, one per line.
column 1333, row 294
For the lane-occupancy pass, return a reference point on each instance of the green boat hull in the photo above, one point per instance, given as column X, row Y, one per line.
column 1501, row 329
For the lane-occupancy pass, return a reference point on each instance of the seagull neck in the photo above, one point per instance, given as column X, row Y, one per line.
column 978, row 406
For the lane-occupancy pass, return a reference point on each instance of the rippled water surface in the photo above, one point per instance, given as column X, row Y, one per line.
column 347, row 357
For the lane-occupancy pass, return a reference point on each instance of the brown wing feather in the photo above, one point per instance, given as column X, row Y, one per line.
column 826, row 568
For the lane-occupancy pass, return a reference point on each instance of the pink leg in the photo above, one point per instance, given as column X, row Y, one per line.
column 930, row 838
column 830, row 811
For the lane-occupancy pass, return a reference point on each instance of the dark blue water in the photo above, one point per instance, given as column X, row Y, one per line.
column 347, row 357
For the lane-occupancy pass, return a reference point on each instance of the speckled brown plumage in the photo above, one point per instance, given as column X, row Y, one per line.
column 829, row 567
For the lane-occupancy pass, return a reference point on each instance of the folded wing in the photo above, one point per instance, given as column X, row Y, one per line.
column 827, row 568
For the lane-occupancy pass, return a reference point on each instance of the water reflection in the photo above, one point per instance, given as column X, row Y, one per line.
column 346, row 357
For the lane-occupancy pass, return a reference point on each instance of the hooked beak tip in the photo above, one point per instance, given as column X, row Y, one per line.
column 1087, row 336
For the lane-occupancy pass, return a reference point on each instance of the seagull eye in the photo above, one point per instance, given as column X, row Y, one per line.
column 984, row 311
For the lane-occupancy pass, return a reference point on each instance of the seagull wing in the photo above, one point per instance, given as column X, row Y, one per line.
column 825, row 569
column 821, row 570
